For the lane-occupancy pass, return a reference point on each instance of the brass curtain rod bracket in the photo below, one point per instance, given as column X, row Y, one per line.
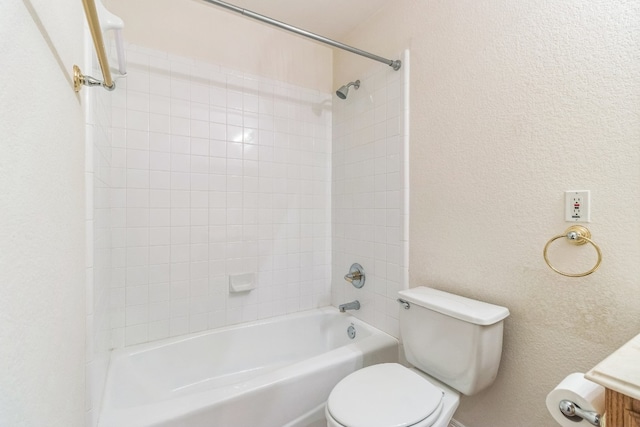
column 95, row 28
column 80, row 80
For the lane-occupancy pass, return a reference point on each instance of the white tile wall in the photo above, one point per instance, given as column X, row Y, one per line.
column 214, row 172
column 98, row 179
column 370, row 193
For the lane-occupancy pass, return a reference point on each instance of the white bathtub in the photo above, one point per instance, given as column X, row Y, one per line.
column 272, row 373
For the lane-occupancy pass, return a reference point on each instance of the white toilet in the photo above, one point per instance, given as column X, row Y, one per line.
column 455, row 344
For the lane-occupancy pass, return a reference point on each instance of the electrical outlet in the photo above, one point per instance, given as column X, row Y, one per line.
column 577, row 206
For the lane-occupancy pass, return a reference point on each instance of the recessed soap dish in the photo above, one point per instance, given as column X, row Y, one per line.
column 242, row 282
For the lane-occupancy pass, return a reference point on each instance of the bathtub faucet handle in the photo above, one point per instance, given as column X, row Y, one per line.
column 350, row 277
column 355, row 276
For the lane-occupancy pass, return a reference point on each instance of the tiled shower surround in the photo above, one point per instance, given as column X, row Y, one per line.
column 214, row 173
column 370, row 193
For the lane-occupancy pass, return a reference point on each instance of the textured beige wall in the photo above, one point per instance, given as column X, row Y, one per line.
column 42, row 238
column 198, row 30
column 512, row 103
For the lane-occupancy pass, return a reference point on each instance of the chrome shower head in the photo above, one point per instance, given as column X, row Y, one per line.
column 344, row 90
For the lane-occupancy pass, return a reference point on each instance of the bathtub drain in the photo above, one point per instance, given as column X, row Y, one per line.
column 351, row 331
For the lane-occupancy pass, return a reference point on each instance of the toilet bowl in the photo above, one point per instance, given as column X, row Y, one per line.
column 390, row 394
column 455, row 345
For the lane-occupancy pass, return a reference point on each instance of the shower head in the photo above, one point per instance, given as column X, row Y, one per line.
column 344, row 90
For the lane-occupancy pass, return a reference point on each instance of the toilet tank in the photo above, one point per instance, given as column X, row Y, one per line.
column 454, row 339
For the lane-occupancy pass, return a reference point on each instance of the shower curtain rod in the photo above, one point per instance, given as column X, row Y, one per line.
column 395, row 64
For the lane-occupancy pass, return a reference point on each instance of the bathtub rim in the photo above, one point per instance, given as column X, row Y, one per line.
column 132, row 350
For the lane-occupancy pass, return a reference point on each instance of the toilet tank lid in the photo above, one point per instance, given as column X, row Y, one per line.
column 466, row 309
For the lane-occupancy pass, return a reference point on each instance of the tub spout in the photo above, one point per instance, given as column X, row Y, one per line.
column 353, row 305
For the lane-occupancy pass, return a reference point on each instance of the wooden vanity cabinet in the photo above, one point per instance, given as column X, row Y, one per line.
column 621, row 410
column 619, row 374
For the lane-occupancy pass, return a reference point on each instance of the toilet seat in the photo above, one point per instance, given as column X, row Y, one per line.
column 385, row 395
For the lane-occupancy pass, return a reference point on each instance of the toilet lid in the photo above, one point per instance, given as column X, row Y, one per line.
column 385, row 395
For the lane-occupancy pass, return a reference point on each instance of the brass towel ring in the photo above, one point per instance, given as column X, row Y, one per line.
column 577, row 235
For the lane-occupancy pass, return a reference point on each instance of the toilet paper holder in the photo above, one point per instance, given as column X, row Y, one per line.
column 570, row 410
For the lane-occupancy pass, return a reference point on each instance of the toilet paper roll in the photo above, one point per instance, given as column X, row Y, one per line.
column 586, row 394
